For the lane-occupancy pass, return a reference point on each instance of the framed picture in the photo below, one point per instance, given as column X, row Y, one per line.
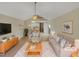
column 68, row 27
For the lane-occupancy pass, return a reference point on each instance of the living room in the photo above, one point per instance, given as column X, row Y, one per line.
column 38, row 29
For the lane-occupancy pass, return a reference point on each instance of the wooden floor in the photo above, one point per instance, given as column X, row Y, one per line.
column 15, row 49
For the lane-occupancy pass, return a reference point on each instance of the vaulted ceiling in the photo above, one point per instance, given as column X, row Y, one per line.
column 25, row 10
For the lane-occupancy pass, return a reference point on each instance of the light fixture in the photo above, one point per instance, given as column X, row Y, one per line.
column 35, row 16
column 49, row 26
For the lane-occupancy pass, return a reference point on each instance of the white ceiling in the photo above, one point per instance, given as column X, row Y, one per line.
column 25, row 10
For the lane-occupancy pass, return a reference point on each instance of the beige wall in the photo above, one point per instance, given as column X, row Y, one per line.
column 17, row 25
column 73, row 16
column 27, row 23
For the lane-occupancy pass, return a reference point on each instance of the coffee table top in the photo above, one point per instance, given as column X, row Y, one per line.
column 34, row 48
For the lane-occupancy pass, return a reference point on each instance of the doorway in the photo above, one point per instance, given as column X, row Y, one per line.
column 41, row 27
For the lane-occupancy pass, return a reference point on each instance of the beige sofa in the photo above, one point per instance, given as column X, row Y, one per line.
column 55, row 44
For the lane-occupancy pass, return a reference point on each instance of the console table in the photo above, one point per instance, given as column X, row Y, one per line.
column 5, row 46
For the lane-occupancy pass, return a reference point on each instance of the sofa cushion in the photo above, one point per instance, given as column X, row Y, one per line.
column 68, row 44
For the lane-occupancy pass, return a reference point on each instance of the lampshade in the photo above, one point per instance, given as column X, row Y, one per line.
column 34, row 17
column 37, row 18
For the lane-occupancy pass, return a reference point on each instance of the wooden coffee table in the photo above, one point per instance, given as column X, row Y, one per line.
column 34, row 50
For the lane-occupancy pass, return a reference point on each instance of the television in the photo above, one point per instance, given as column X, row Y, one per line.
column 5, row 28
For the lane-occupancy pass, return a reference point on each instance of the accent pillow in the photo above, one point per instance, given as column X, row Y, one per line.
column 62, row 43
column 68, row 44
column 56, row 37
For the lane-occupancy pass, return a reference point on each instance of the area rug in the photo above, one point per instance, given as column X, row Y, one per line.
column 47, row 50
